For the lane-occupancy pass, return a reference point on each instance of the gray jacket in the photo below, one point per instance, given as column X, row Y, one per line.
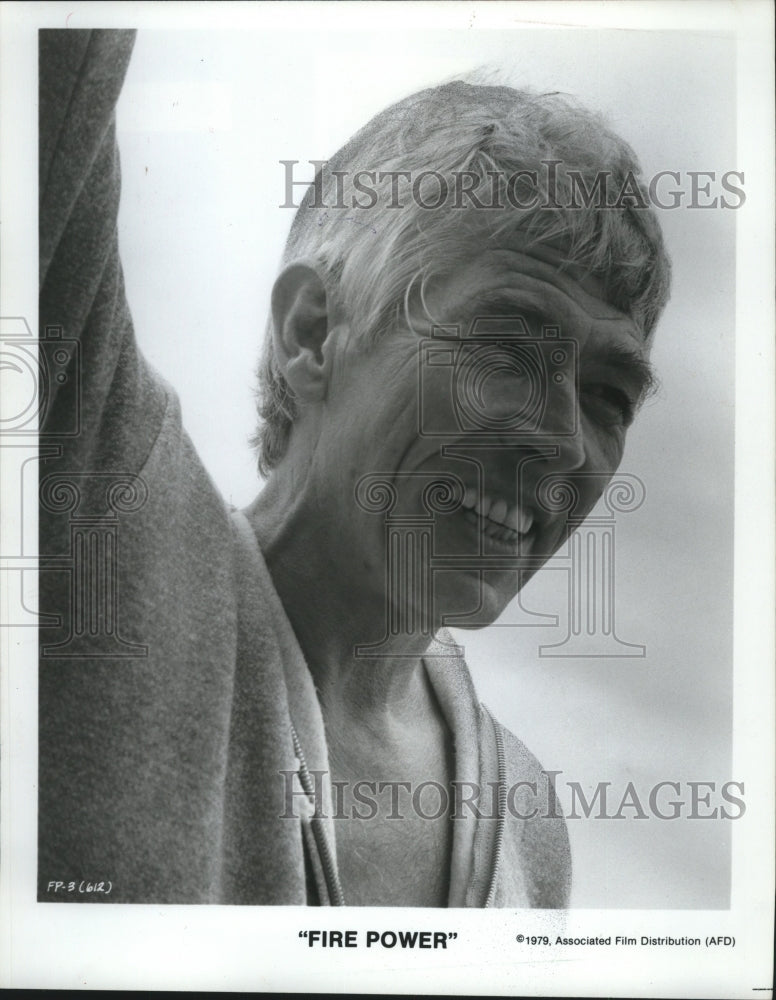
column 174, row 699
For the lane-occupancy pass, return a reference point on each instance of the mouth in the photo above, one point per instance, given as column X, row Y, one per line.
column 496, row 518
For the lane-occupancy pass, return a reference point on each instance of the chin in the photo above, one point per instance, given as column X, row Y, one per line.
column 478, row 603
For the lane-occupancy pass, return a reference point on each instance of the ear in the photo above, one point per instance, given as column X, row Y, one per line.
column 301, row 324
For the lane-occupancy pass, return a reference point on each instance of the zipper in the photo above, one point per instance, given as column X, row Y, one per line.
column 329, row 865
column 502, row 781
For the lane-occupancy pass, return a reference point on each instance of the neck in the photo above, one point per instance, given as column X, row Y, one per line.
column 336, row 602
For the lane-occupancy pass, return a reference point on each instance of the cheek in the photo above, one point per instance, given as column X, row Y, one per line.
column 372, row 414
column 603, row 454
column 604, row 447
column 442, row 404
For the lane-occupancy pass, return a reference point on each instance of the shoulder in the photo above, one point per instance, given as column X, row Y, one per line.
column 535, row 829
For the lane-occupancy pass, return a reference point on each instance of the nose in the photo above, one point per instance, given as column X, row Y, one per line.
column 560, row 425
column 567, row 450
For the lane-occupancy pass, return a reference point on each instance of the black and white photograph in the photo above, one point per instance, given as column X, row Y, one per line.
column 387, row 442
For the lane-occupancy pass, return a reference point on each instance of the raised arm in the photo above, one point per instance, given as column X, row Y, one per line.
column 103, row 388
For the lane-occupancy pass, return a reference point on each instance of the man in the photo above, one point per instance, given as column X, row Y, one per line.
column 259, row 706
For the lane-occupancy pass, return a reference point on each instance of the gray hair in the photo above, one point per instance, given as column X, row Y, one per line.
column 481, row 131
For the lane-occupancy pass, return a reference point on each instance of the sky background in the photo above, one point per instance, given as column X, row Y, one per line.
column 205, row 118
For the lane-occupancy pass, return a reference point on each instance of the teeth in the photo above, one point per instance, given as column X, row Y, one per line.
column 498, row 511
column 483, row 506
column 469, row 497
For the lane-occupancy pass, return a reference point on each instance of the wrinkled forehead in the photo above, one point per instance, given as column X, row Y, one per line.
column 513, row 278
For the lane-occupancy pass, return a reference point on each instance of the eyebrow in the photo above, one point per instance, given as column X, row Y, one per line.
column 629, row 365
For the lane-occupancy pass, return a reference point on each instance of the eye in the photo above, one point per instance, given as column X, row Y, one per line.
column 607, row 404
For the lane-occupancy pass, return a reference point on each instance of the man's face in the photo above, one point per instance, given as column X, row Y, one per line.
column 501, row 414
